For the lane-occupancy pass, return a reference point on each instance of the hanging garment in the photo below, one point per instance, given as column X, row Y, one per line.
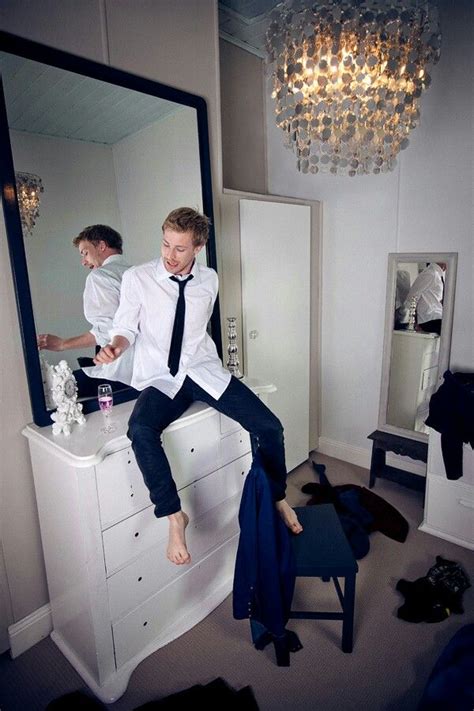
column 452, row 414
column 265, row 571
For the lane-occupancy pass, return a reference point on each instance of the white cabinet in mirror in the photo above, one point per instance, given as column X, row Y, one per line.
column 417, row 340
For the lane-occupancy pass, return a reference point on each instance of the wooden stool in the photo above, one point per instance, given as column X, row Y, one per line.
column 322, row 551
column 384, row 442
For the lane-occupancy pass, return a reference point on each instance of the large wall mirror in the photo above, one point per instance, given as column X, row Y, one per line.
column 417, row 341
column 110, row 148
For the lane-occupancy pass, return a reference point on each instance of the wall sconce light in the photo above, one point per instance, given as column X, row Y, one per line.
column 347, row 79
column 28, row 188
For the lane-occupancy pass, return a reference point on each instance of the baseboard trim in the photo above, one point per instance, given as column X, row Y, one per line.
column 361, row 456
column 30, row 630
column 346, row 452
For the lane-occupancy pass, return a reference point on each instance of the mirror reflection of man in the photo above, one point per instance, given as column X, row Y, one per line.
column 159, row 300
column 100, row 249
column 402, row 287
column 428, row 290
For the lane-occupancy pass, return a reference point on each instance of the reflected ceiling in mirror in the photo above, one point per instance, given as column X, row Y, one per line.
column 109, row 148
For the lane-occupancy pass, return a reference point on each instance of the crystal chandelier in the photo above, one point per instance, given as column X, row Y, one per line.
column 28, row 189
column 348, row 77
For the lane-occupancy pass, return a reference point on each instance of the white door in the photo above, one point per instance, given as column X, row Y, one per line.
column 275, row 253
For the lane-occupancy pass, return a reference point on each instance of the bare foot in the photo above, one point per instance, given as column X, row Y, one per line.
column 177, row 551
column 289, row 516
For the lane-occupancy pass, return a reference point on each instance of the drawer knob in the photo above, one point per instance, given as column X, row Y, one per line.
column 145, row 623
column 140, row 579
column 137, row 534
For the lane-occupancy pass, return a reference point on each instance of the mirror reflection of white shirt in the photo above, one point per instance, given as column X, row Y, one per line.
column 102, row 296
column 145, row 318
column 101, row 299
column 428, row 290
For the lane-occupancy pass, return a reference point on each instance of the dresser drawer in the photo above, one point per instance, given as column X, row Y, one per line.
column 120, row 487
column 449, row 509
column 235, row 445
column 193, row 451
column 160, row 619
column 214, row 488
column 131, row 537
column 152, row 571
column 228, row 425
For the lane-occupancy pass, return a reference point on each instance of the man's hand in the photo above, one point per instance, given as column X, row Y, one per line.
column 111, row 351
column 107, row 354
column 48, row 342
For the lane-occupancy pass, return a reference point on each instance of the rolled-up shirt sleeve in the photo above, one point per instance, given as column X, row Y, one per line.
column 101, row 300
column 423, row 282
column 126, row 318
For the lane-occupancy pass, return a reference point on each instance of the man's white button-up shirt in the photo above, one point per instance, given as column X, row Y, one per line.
column 145, row 318
column 101, row 300
column 428, row 289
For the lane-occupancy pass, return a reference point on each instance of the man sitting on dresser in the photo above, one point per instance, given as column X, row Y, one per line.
column 165, row 306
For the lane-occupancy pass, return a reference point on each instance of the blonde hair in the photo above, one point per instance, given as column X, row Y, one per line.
column 185, row 219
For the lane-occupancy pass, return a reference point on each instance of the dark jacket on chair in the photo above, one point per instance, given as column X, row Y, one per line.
column 452, row 414
column 265, row 571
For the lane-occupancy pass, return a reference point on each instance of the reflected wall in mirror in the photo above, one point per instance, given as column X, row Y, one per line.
column 417, row 342
column 110, row 148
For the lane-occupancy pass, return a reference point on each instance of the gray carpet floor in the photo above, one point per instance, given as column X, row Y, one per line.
column 387, row 670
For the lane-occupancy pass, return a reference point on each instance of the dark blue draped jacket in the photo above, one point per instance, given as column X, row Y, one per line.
column 265, row 570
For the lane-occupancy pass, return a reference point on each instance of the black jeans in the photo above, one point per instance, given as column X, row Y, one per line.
column 154, row 411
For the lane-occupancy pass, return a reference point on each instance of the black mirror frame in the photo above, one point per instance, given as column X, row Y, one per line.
column 63, row 60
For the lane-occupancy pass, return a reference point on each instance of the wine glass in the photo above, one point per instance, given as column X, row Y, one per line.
column 106, row 401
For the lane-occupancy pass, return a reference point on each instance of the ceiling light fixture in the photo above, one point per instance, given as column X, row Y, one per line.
column 28, row 189
column 348, row 77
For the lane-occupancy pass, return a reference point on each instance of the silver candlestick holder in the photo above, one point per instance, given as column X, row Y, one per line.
column 232, row 349
column 412, row 314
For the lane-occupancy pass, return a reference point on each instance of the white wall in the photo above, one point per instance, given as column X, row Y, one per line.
column 243, row 119
column 424, row 205
column 157, row 169
column 79, row 190
column 173, row 42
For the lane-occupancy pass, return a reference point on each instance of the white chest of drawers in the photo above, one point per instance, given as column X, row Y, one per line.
column 449, row 505
column 115, row 598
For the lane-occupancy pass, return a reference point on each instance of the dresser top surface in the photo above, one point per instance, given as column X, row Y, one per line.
column 87, row 445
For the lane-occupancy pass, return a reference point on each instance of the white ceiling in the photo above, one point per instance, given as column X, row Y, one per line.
column 54, row 102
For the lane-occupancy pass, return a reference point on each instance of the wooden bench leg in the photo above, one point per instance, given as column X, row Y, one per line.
column 348, row 618
column 377, row 463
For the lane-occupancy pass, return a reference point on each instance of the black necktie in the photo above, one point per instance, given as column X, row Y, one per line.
column 178, row 327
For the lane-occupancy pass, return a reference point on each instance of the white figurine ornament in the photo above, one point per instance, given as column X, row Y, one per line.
column 64, row 395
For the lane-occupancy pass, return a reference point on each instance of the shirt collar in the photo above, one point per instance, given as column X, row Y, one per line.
column 113, row 258
column 162, row 273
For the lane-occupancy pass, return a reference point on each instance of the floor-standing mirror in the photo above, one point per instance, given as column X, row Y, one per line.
column 417, row 346
column 417, row 343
